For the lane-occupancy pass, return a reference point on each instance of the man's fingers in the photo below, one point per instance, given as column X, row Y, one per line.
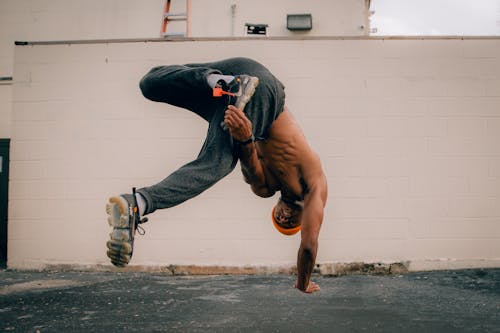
column 234, row 118
column 231, row 109
column 234, row 108
column 231, row 122
column 240, row 127
column 231, row 116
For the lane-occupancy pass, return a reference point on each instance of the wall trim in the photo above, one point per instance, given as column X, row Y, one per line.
column 277, row 38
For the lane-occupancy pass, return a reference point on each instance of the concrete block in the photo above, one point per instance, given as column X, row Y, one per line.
column 465, row 87
column 493, row 87
column 406, row 127
column 326, row 128
column 373, row 208
column 452, row 68
column 478, row 69
column 493, row 207
column 482, row 49
column 492, row 128
column 426, row 87
column 29, row 111
column 469, row 207
column 464, row 106
column 467, row 228
column 439, row 249
column 369, row 166
column 5, row 111
column 446, row 48
column 448, row 166
column 386, row 146
column 331, row 147
column 468, row 127
column 493, row 167
column 30, row 130
column 361, row 187
column 438, row 185
column 23, row 170
column 373, row 250
column 397, row 49
column 395, row 106
column 387, row 229
column 463, row 146
column 37, row 189
column 386, row 87
column 37, row 150
column 424, row 208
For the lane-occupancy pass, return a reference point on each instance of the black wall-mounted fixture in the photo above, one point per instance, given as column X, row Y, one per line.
column 257, row 29
column 299, row 22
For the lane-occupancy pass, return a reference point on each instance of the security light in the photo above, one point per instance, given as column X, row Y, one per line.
column 299, row 22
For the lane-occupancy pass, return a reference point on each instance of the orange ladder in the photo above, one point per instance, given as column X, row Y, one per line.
column 168, row 17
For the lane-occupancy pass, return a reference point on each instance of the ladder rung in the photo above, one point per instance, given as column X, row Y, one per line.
column 175, row 19
column 175, row 14
column 174, row 34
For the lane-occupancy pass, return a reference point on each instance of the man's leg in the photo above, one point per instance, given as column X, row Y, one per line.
column 188, row 87
column 215, row 160
column 183, row 86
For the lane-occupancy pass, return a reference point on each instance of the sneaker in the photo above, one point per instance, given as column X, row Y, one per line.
column 242, row 88
column 246, row 88
column 123, row 216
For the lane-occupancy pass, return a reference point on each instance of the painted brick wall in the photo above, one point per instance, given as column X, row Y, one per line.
column 408, row 131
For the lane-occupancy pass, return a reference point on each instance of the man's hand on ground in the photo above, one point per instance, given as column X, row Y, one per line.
column 239, row 125
column 312, row 287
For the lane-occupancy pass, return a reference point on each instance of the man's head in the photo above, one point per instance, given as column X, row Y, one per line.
column 287, row 217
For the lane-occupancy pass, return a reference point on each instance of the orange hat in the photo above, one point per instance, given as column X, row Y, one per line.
column 284, row 231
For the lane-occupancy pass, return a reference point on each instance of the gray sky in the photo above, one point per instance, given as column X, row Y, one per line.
column 436, row 17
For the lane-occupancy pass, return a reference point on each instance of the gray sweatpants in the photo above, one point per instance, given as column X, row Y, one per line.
column 186, row 86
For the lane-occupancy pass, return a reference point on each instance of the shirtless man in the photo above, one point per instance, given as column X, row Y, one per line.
column 249, row 122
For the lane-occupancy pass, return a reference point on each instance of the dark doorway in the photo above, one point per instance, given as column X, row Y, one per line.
column 4, row 198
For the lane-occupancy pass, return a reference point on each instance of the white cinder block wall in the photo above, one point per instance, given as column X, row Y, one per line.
column 407, row 129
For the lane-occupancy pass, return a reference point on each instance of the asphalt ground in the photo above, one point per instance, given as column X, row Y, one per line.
column 438, row 301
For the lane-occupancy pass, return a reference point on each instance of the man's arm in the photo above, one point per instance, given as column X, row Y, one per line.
column 240, row 129
column 312, row 217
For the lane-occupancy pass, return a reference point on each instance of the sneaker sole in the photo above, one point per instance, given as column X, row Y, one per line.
column 120, row 244
column 242, row 101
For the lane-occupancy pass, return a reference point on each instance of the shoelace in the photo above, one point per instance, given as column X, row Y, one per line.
column 140, row 230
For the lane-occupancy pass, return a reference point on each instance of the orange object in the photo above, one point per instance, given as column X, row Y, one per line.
column 284, row 231
column 218, row 92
